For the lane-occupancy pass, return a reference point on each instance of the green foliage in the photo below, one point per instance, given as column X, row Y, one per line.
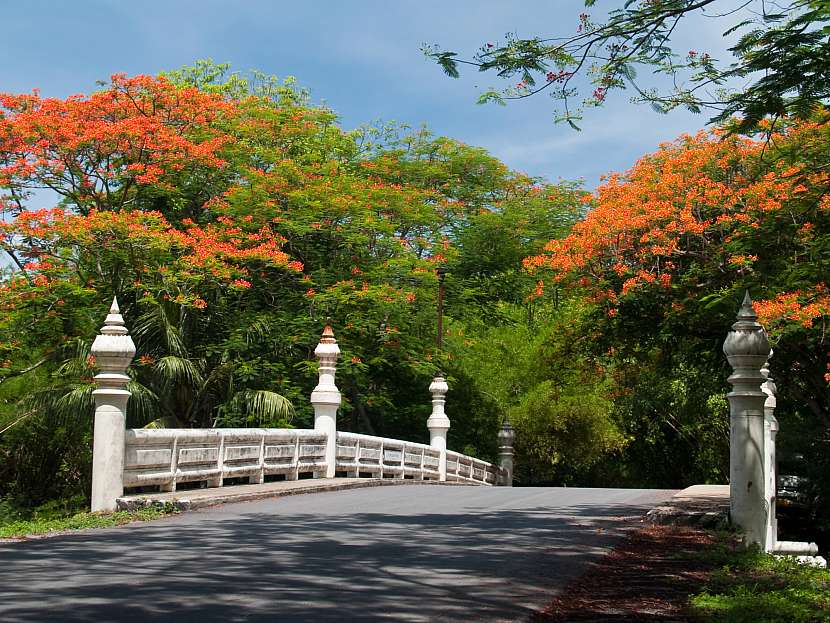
column 255, row 408
column 666, row 254
column 782, row 51
column 46, row 457
column 351, row 226
column 65, row 515
column 673, row 409
column 753, row 587
column 562, row 430
column 355, row 227
column 45, row 440
column 538, row 372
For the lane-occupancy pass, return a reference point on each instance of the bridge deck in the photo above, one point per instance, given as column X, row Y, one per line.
column 379, row 554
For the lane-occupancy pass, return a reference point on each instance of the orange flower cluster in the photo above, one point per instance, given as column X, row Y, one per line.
column 801, row 306
column 133, row 133
column 697, row 208
column 56, row 241
column 670, row 204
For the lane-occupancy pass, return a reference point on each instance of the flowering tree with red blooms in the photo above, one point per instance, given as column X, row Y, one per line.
column 111, row 149
column 230, row 217
column 668, row 248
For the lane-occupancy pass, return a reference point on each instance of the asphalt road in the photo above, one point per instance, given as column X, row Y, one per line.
column 381, row 554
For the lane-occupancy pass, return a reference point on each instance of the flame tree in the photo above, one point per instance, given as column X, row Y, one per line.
column 231, row 216
column 664, row 255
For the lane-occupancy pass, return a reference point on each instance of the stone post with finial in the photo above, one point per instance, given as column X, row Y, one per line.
column 506, row 438
column 770, row 461
column 438, row 423
column 326, row 398
column 113, row 350
column 747, row 349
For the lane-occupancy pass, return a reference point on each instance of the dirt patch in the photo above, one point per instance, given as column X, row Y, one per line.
column 648, row 577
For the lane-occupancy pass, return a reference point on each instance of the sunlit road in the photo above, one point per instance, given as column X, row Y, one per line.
column 409, row 553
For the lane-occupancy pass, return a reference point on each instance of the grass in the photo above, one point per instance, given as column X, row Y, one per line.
column 752, row 587
column 65, row 515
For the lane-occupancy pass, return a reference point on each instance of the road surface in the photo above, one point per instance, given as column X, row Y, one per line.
column 382, row 554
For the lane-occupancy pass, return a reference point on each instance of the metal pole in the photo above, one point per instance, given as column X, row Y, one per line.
column 439, row 338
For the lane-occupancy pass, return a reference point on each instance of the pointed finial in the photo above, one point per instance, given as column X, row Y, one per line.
column 328, row 335
column 747, row 311
column 747, row 338
column 114, row 322
column 113, row 350
column 747, row 319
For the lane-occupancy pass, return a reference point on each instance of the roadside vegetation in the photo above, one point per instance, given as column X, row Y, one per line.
column 749, row 586
column 69, row 515
column 681, row 573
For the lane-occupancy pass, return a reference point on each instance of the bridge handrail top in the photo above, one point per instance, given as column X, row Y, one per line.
column 215, row 433
column 386, row 441
column 458, row 455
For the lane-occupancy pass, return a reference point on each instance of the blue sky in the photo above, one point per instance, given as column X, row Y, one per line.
column 361, row 57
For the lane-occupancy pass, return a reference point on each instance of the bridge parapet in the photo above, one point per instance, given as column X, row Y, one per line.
column 166, row 457
column 463, row 468
column 169, row 456
column 386, row 458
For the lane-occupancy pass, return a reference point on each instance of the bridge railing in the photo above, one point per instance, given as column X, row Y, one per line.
column 386, row 458
column 166, row 458
column 463, row 468
column 169, row 456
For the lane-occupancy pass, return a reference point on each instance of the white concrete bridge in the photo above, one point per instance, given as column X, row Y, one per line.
column 163, row 459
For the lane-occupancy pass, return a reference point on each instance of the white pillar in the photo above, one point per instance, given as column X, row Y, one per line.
column 506, row 438
column 770, row 462
column 747, row 348
column 326, row 398
column 113, row 350
column 438, row 423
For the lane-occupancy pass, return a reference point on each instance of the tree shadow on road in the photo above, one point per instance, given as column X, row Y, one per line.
column 269, row 565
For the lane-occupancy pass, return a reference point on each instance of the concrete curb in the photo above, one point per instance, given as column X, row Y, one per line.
column 204, row 498
column 704, row 506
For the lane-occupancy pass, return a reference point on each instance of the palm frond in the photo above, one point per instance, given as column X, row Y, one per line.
column 172, row 370
column 49, row 400
column 217, row 387
column 156, row 330
column 76, row 404
column 261, row 407
column 77, row 364
column 143, row 406
column 257, row 330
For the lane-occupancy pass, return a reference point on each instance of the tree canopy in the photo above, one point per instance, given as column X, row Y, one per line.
column 664, row 255
column 231, row 217
column 781, row 63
